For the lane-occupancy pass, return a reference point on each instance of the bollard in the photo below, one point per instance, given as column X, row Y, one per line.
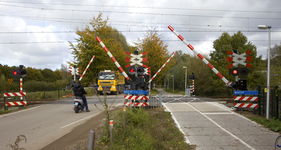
column 5, row 107
column 111, row 133
column 91, row 143
column 124, row 117
column 160, row 100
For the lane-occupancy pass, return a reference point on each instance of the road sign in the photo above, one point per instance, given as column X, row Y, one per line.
column 10, row 81
column 239, row 59
column 245, row 92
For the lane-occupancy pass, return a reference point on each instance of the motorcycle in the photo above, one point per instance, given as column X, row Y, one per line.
column 78, row 104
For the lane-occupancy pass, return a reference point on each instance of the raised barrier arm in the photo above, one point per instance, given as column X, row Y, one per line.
column 162, row 67
column 229, row 84
column 87, row 68
column 114, row 60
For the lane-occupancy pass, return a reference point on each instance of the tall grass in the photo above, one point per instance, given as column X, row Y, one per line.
column 145, row 129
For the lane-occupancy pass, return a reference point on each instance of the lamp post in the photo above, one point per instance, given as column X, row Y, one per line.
column 168, row 83
column 268, row 68
column 185, row 79
column 173, row 82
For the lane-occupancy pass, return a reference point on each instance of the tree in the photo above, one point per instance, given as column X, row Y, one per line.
column 88, row 46
column 219, row 60
column 275, row 67
column 157, row 53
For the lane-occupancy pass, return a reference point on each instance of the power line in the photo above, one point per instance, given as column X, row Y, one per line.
column 191, row 31
column 66, row 42
column 114, row 6
column 143, row 13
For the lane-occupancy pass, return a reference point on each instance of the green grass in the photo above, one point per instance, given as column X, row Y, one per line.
column 5, row 111
column 154, row 92
column 145, row 129
column 170, row 90
column 272, row 124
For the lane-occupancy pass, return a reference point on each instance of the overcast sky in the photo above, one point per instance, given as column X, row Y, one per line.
column 36, row 33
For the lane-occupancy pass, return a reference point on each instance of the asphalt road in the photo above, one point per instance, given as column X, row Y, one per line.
column 44, row 123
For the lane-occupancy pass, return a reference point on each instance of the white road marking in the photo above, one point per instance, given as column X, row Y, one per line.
column 79, row 120
column 221, row 127
column 216, row 113
column 178, row 125
column 20, row 111
column 231, row 110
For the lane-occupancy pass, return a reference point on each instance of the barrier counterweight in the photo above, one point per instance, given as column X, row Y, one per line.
column 200, row 56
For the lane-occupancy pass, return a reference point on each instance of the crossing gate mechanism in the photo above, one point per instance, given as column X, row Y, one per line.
column 19, row 103
column 240, row 97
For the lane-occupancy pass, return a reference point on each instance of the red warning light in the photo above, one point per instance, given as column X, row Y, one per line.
column 15, row 73
column 235, row 71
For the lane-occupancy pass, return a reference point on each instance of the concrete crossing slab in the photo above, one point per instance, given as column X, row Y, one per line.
column 212, row 126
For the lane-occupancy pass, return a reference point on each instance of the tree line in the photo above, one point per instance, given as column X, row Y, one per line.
column 36, row 79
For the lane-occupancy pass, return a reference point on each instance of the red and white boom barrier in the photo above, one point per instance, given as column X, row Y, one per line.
column 200, row 56
column 162, row 67
column 87, row 68
column 113, row 59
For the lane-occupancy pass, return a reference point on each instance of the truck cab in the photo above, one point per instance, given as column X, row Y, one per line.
column 111, row 82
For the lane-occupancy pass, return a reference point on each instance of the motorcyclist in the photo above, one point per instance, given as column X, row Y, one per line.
column 78, row 90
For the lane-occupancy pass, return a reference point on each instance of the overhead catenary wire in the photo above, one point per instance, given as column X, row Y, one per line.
column 114, row 6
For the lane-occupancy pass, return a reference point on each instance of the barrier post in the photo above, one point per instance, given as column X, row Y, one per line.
column 5, row 108
column 124, row 116
column 91, row 143
column 111, row 133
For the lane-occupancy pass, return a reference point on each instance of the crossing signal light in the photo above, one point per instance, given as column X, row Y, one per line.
column 234, row 71
column 23, row 73
column 132, row 70
column 19, row 72
column 243, row 71
column 140, row 71
column 15, row 73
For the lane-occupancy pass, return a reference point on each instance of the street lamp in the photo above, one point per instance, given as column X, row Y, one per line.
column 185, row 79
column 268, row 68
column 173, row 82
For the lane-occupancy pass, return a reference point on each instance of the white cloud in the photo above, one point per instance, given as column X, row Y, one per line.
column 131, row 18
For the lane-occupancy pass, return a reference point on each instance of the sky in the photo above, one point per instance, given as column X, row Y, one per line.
column 36, row 33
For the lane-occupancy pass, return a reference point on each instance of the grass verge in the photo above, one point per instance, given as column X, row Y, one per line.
column 170, row 90
column 145, row 129
column 5, row 111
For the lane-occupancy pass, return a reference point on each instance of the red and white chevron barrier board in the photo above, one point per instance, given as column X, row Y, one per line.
column 15, row 94
column 113, row 59
column 244, row 105
column 200, row 56
column 16, row 103
column 128, row 103
column 131, row 97
column 86, row 68
column 246, row 98
column 162, row 67
column 136, row 104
